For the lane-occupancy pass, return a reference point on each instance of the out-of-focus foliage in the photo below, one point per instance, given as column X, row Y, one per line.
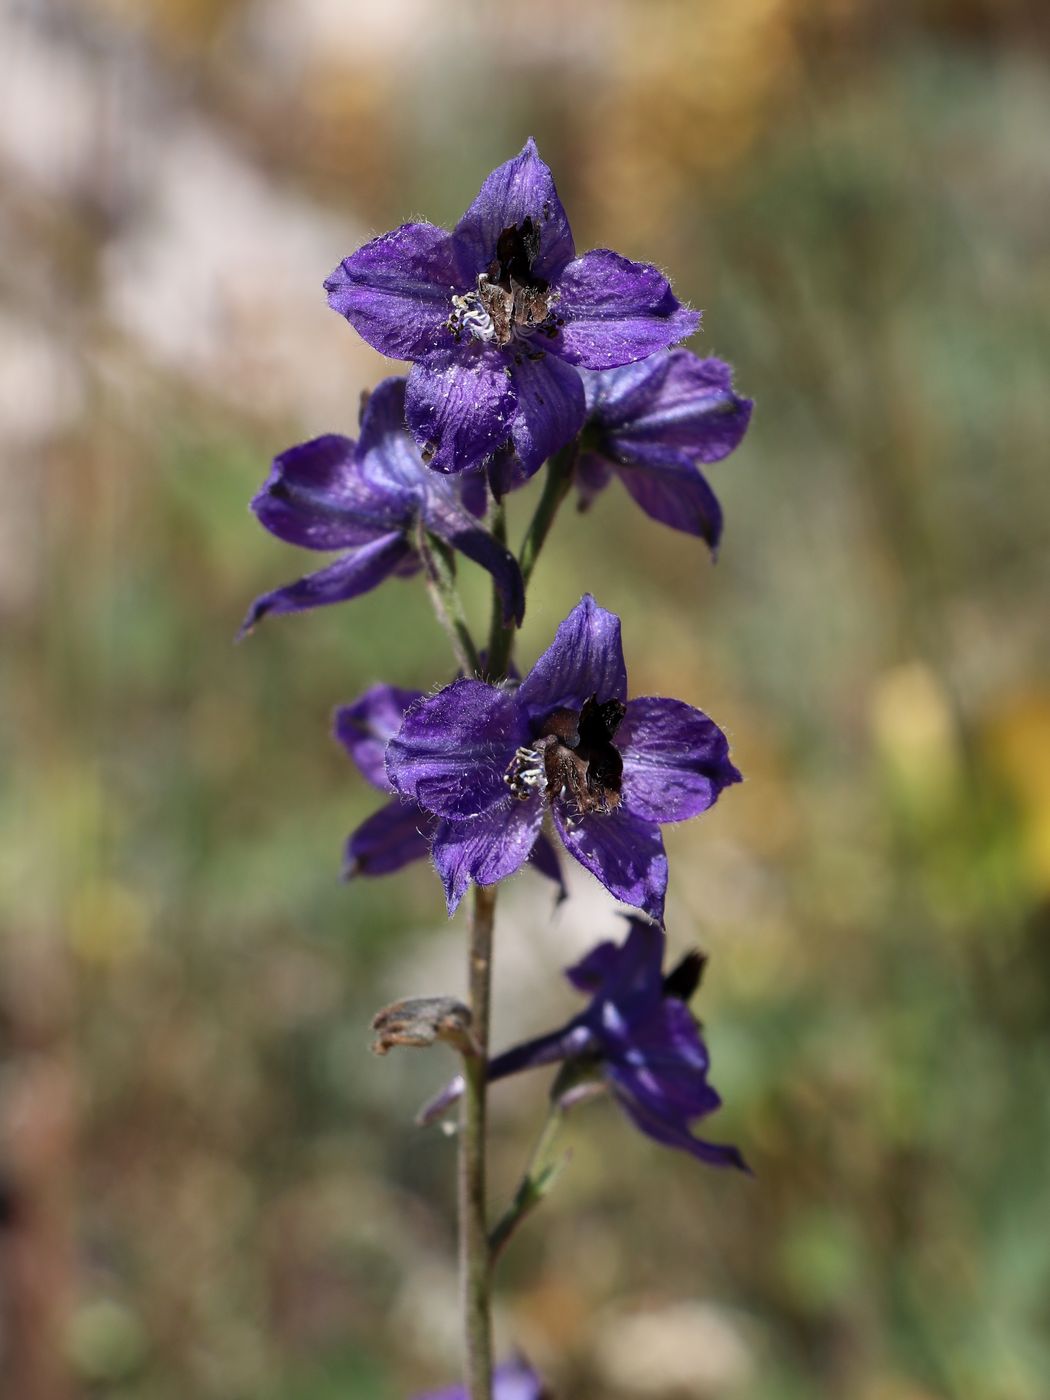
column 208, row 1188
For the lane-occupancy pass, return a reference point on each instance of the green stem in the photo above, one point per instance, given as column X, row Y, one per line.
column 474, row 1259
column 555, row 489
column 537, row 1181
column 440, row 577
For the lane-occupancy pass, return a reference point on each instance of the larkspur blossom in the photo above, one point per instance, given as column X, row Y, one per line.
column 490, row 761
column 638, row 1035
column 650, row 424
column 514, row 1380
column 399, row 832
column 370, row 499
column 496, row 314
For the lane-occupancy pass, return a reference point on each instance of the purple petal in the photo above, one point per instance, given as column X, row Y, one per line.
column 625, row 853
column 389, row 457
column 592, row 475
column 631, row 971
column 674, row 1133
column 544, row 861
column 393, row 837
column 506, row 472
column 446, row 517
column 616, row 311
column 485, row 849
column 687, row 407
column 675, row 760
column 675, row 494
column 316, row 496
column 453, row 749
column 367, row 724
column 585, row 659
column 662, row 1062
column 514, row 1380
column 523, row 188
column 460, row 407
column 550, row 409
column 355, row 573
column 397, row 291
column 474, row 489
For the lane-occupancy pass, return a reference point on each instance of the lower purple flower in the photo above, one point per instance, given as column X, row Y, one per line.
column 399, row 832
column 638, row 1035
column 491, row 761
column 514, row 1380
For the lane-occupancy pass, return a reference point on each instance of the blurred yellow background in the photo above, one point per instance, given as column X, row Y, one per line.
column 208, row 1189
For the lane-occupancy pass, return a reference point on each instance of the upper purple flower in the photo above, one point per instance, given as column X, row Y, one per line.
column 491, row 760
column 650, row 424
column 369, row 499
column 514, row 1380
column 495, row 313
column 640, row 1035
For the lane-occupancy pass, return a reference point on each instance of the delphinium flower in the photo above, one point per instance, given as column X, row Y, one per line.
column 514, row 1380
column 371, row 499
column 650, row 424
column 638, row 1036
column 492, row 760
column 496, row 314
column 399, row 832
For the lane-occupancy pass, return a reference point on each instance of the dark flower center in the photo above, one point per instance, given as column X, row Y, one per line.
column 509, row 302
column 573, row 758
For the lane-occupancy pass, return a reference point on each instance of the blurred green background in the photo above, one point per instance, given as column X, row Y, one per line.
column 208, row 1189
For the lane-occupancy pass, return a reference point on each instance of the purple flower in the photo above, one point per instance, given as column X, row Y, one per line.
column 492, row 760
column 399, row 832
column 514, row 1380
column 650, row 424
column 369, row 499
column 638, row 1035
column 496, row 313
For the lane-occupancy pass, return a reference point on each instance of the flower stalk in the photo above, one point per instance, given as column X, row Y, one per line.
column 439, row 573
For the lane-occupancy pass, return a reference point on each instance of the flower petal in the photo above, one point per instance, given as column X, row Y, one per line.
column 673, row 1133
column 520, row 189
column 453, row 749
column 585, row 659
column 550, row 409
column 355, row 573
column 397, row 291
column 460, row 407
column 622, row 851
column 393, row 837
column 446, row 517
column 675, row 760
column 689, row 409
column 675, row 494
column 616, row 311
column 316, row 496
column 514, row 1380
column 591, row 476
column 389, row 457
column 544, row 861
column 624, row 971
column 367, row 724
column 486, row 849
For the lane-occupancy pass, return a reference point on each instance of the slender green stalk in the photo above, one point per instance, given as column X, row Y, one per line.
column 555, row 489
column 474, row 1259
column 534, row 1185
column 439, row 573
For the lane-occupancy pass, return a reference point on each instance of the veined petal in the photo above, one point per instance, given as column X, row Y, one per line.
column 389, row 458
column 624, row 852
column 689, row 409
column 675, row 760
column 616, row 311
column 550, row 409
column 447, row 518
column 460, row 407
column 675, row 494
column 585, row 659
column 355, row 573
column 391, row 838
column 397, row 291
column 454, row 748
column 485, row 849
column 520, row 189
column 367, row 724
column 316, row 496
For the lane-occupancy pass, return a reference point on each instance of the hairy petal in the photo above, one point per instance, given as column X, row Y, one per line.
column 585, row 659
column 460, row 408
column 616, row 311
column 397, row 290
column 522, row 188
column 453, row 749
column 367, row 724
column 316, row 496
column 391, row 838
column 675, row 494
column 550, row 409
column 675, row 759
column 355, row 573
column 689, row 409
column 624, row 852
column 485, row 849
